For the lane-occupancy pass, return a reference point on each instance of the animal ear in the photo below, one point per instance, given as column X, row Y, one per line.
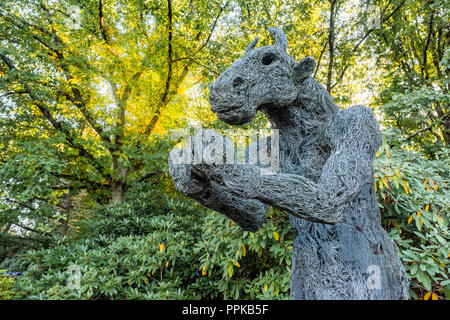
column 280, row 38
column 304, row 69
column 252, row 45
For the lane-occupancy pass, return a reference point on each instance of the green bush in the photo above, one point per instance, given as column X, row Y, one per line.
column 158, row 246
column 247, row 265
column 6, row 284
column 414, row 199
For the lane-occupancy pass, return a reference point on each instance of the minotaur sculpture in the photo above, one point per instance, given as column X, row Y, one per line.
column 325, row 178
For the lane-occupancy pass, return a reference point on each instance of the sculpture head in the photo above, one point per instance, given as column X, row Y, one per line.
column 265, row 77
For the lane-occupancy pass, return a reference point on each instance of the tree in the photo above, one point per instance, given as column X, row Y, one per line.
column 50, row 73
column 413, row 53
column 83, row 87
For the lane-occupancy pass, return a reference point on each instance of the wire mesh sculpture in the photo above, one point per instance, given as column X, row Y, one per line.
column 325, row 178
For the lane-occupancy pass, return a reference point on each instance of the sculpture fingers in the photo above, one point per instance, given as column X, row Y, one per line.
column 239, row 179
column 186, row 181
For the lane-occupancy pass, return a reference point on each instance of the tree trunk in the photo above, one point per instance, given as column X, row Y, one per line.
column 119, row 186
column 331, row 44
column 65, row 222
column 118, row 191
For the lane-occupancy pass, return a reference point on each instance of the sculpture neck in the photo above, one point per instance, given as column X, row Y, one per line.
column 296, row 124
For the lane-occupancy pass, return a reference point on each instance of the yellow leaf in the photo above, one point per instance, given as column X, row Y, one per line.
column 434, row 186
column 427, row 296
column 162, row 247
column 244, row 251
column 204, row 271
column 434, row 297
column 167, row 264
column 406, row 187
column 375, row 184
column 231, row 223
column 289, row 248
column 386, row 184
column 397, row 172
column 427, row 207
column 265, row 287
column 275, row 235
column 425, row 182
column 410, row 218
column 237, row 264
column 378, row 154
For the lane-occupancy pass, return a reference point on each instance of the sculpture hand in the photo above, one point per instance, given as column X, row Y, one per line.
column 218, row 187
column 239, row 179
column 186, row 181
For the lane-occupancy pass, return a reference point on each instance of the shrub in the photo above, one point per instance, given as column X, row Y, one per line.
column 159, row 246
column 6, row 284
column 414, row 199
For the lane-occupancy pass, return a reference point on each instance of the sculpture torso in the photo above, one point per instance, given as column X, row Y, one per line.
column 334, row 261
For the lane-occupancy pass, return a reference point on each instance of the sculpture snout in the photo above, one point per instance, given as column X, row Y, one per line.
column 226, row 93
column 238, row 82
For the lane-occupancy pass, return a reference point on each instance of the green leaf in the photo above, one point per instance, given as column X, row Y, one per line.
column 414, row 268
column 424, row 279
column 230, row 269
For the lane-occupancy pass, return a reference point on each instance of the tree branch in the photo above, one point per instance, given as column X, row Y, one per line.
column 366, row 35
column 77, row 98
column 423, row 69
column 151, row 174
column 101, row 22
column 426, row 128
column 331, row 44
column 164, row 97
column 324, row 47
column 58, row 126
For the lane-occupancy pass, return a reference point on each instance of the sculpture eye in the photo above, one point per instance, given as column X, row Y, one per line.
column 268, row 58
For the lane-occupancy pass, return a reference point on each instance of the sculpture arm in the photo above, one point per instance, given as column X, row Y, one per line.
column 355, row 138
column 249, row 214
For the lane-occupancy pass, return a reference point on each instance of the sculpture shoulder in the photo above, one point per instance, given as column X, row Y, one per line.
column 354, row 125
column 311, row 89
column 314, row 95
